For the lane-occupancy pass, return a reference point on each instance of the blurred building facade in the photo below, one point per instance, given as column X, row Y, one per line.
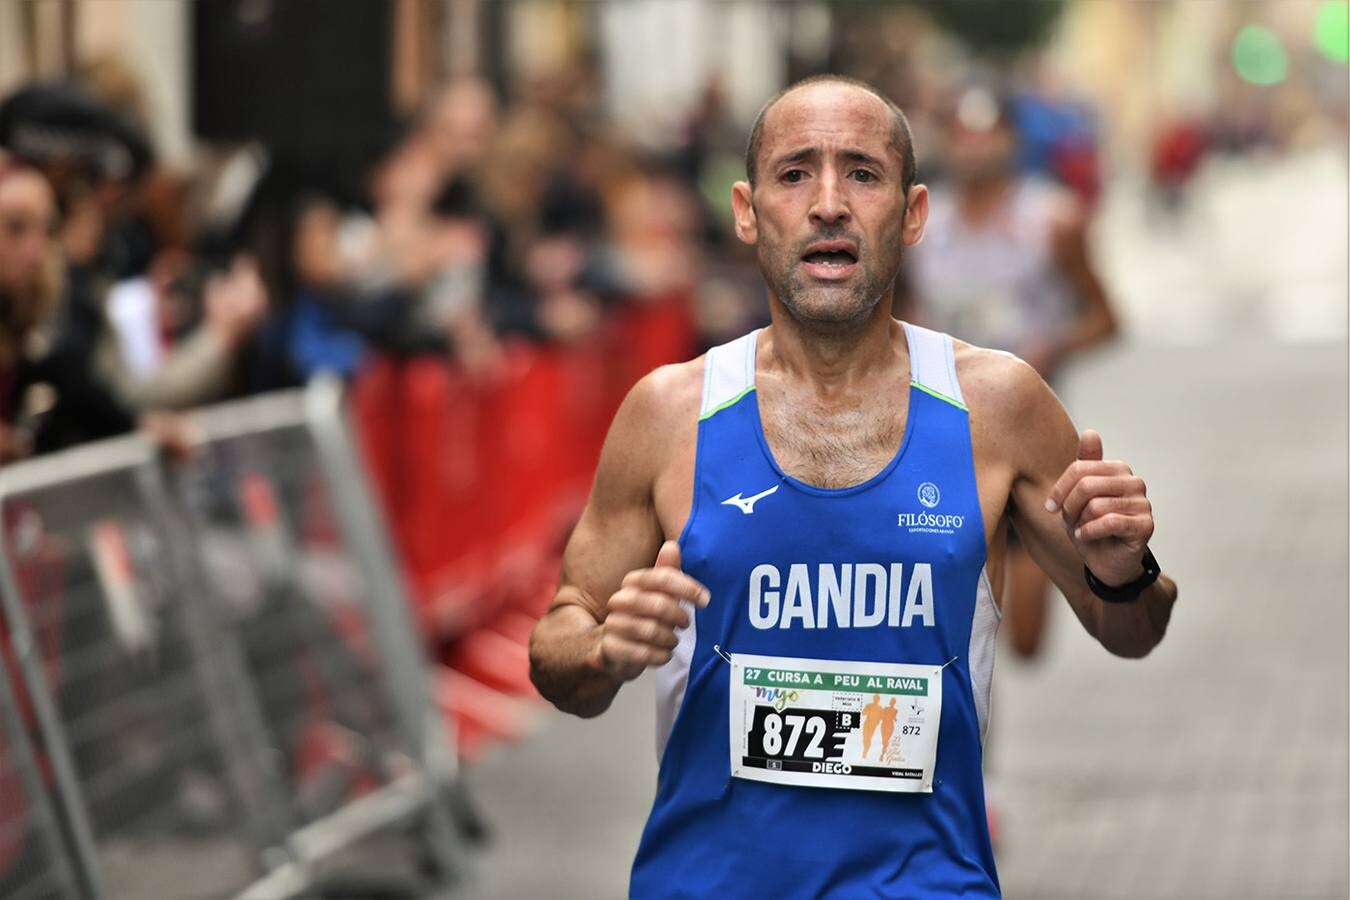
column 1144, row 61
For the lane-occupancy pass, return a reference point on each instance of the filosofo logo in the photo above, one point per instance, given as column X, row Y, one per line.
column 935, row 523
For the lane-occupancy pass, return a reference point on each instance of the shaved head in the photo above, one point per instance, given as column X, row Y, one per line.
column 901, row 138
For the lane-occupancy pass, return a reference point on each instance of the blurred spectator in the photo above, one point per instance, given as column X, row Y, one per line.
column 152, row 214
column 656, row 232
column 48, row 398
column 460, row 127
column 318, row 341
column 139, row 324
column 478, row 225
column 155, row 355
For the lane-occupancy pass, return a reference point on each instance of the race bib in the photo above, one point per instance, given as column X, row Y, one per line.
column 823, row 723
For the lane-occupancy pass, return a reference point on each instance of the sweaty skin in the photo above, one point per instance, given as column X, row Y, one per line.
column 828, row 172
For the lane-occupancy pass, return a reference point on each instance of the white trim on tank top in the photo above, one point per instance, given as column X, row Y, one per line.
column 729, row 369
column 932, row 361
column 728, row 373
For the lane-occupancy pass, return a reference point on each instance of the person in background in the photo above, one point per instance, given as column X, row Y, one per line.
column 171, row 337
column 1005, row 264
column 139, row 318
column 149, row 216
column 655, row 234
column 318, row 339
column 30, row 286
column 459, row 128
column 47, row 399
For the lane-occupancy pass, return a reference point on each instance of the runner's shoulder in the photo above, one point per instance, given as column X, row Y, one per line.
column 1002, row 389
column 668, row 395
column 663, row 404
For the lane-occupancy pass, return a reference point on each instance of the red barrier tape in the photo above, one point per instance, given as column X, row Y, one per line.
column 483, row 479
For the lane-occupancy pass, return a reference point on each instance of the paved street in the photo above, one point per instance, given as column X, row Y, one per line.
column 1215, row 768
column 1217, row 269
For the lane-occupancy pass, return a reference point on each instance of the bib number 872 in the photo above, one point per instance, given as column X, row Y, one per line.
column 773, row 735
column 795, row 734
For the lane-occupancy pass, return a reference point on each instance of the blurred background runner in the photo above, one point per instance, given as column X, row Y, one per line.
column 1005, row 263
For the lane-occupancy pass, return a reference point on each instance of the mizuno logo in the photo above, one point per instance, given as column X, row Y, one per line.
column 747, row 504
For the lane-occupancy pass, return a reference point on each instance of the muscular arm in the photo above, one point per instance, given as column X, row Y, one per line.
column 574, row 662
column 1043, row 445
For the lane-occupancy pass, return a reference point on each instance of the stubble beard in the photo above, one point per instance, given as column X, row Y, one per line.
column 828, row 309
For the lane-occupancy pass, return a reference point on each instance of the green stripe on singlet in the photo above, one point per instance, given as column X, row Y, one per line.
column 932, row 393
column 721, row 406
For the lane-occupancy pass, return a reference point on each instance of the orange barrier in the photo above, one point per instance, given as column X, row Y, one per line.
column 482, row 480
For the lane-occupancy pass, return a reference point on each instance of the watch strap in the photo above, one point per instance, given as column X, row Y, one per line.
column 1130, row 591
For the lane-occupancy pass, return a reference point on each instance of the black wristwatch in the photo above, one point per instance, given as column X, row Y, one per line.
column 1130, row 591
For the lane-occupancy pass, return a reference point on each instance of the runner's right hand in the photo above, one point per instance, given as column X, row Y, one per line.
column 642, row 616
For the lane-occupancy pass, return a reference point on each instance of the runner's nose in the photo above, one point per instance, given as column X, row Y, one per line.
column 829, row 206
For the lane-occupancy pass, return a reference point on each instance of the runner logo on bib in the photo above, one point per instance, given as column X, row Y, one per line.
column 822, row 723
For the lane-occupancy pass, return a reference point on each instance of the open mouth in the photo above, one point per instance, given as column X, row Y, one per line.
column 831, row 258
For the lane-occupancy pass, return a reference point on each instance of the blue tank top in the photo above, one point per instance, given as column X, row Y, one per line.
column 778, row 556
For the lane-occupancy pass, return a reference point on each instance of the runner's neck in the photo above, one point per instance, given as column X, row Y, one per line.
column 831, row 361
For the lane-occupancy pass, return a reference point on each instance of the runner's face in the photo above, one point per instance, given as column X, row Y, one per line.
column 828, row 212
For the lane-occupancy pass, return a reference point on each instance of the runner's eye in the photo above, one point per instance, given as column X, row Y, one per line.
column 863, row 176
column 793, row 176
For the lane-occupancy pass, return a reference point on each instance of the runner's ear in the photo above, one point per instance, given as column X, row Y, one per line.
column 916, row 215
column 743, row 211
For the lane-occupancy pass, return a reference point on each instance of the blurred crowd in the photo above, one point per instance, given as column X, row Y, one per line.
column 128, row 290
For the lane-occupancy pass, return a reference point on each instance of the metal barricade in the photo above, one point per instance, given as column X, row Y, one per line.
column 235, row 700
column 124, row 692
column 289, row 541
column 34, row 862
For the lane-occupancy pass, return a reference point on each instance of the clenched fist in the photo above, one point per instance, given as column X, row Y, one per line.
column 642, row 616
column 1105, row 511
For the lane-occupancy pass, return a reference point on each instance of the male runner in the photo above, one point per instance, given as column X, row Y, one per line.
column 887, row 461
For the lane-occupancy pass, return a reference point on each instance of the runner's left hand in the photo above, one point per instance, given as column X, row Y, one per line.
column 1105, row 511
